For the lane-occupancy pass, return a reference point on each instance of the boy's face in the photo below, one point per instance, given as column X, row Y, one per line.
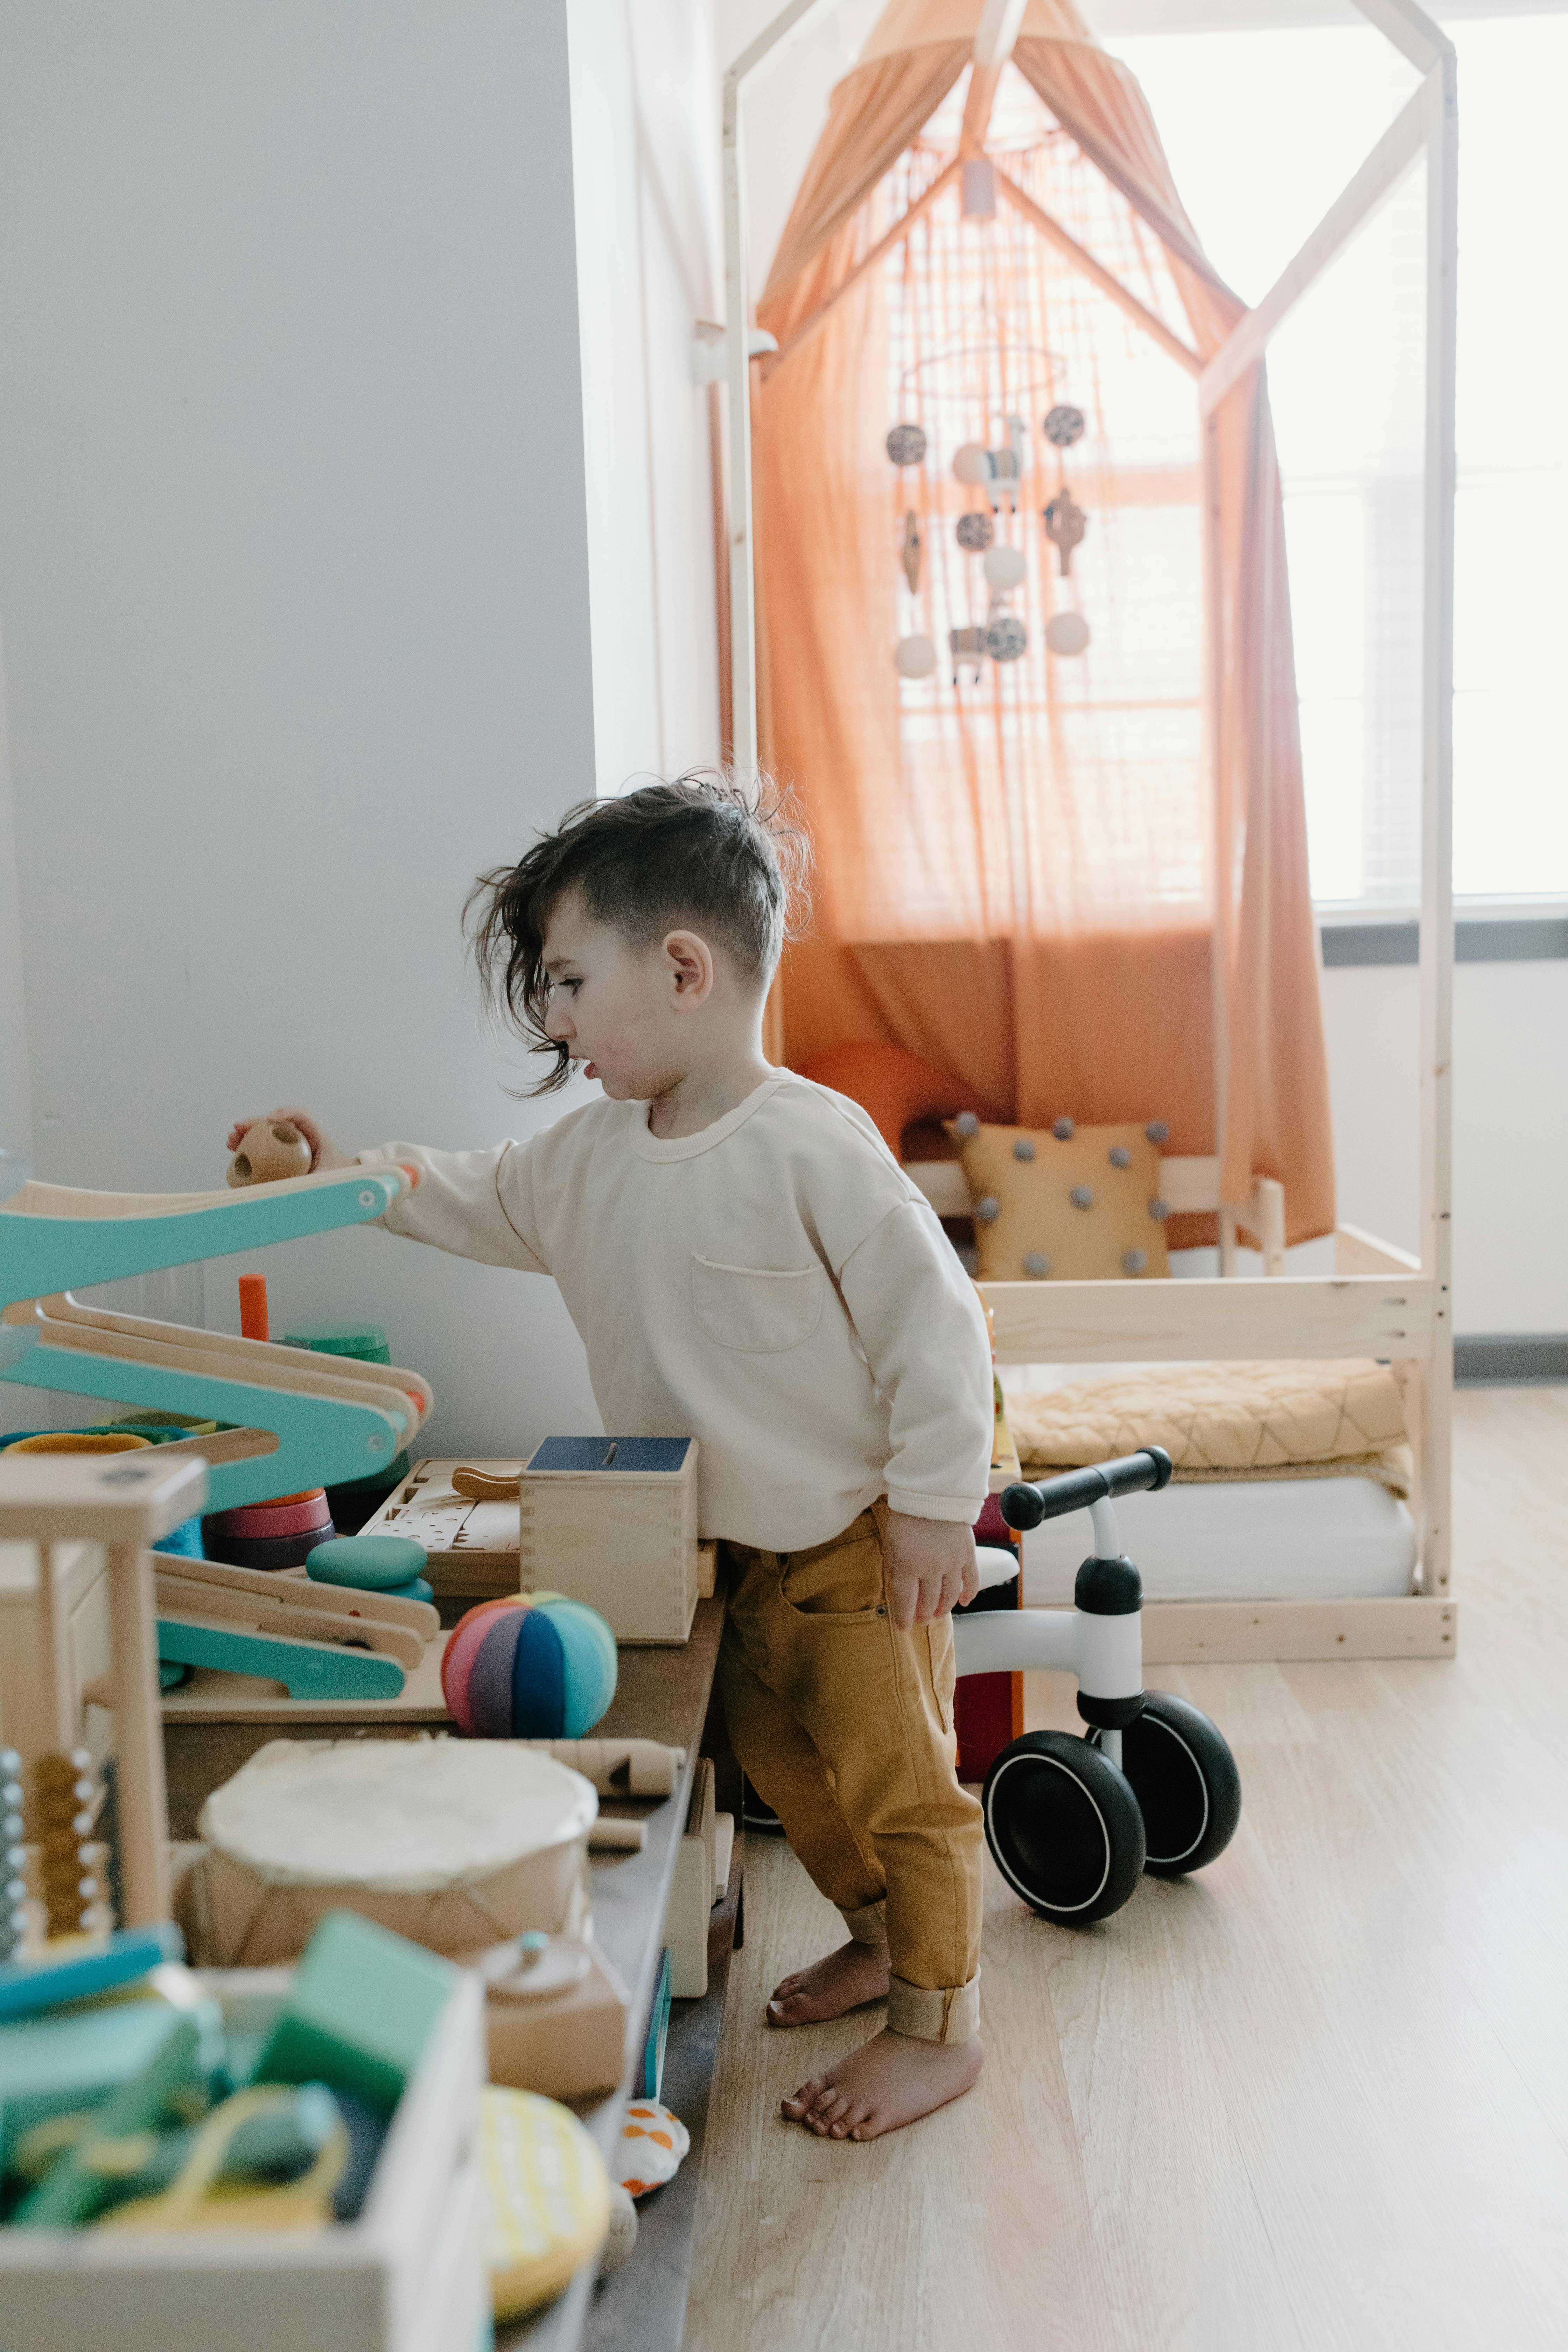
column 614, row 1003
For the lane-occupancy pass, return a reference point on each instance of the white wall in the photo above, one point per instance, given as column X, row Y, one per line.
column 295, row 594
column 16, row 1085
column 1511, row 1129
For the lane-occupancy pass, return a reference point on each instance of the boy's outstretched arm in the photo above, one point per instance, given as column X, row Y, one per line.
column 477, row 1205
column 916, row 1316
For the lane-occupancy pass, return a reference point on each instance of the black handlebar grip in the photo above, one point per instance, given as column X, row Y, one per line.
column 1024, row 1506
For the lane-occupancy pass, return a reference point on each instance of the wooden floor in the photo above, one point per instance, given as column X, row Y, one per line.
column 1316, row 2098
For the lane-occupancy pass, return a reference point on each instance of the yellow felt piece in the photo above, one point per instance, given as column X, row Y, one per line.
column 547, row 2198
column 1220, row 1421
column 1028, row 1226
column 199, row 2199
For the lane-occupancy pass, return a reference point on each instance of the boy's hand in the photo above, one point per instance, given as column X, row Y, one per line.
column 324, row 1152
column 932, row 1566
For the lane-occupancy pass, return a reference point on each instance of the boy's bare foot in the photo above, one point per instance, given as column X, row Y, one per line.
column 890, row 2080
column 846, row 1979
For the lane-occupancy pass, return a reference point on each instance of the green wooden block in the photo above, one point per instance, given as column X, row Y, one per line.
column 363, row 2006
column 75, row 2057
column 71, row 2191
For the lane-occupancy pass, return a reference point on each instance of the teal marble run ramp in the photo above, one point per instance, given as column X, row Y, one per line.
column 296, row 1424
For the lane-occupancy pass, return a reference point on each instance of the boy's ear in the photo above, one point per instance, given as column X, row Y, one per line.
column 690, row 961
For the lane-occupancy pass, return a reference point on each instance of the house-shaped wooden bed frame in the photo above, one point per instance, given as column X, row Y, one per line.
column 1380, row 1301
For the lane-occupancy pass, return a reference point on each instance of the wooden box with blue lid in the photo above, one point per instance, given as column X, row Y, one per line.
column 613, row 1521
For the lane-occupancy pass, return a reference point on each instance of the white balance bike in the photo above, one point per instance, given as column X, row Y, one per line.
column 1073, row 1823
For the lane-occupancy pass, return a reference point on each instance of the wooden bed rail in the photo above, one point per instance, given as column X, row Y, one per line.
column 1164, row 1322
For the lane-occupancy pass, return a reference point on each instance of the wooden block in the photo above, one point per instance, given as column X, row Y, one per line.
column 612, row 1522
column 692, row 1893
column 558, row 2026
column 360, row 2012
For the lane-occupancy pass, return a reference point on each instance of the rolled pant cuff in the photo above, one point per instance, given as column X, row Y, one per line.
column 868, row 1925
column 933, row 2016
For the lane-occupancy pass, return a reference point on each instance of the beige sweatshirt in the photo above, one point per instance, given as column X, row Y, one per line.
column 774, row 1286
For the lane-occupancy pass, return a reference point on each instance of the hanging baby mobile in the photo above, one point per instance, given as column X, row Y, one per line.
column 998, row 473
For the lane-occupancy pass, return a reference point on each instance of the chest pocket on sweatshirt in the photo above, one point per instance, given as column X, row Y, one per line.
column 751, row 1308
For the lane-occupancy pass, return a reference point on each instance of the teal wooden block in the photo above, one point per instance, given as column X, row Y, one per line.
column 27, row 1987
column 74, row 2058
column 306, row 1669
column 360, row 2012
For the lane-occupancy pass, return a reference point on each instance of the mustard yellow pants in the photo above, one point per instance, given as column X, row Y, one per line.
column 845, row 1725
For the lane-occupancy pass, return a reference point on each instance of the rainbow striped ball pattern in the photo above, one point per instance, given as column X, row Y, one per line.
column 533, row 1667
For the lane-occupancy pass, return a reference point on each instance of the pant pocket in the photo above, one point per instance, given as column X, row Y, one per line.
column 943, row 1669
column 845, row 1579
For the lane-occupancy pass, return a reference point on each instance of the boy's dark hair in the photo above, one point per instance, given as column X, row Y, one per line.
column 707, row 849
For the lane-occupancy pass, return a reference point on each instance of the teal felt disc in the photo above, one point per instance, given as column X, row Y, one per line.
column 414, row 1590
column 366, row 1563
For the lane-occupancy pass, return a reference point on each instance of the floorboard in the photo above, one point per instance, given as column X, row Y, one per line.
column 1316, row 2098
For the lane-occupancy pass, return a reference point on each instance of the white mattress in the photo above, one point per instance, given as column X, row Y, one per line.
column 1256, row 1540
column 1248, row 1539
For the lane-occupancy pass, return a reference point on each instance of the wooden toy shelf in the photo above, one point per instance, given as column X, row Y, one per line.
column 663, row 1695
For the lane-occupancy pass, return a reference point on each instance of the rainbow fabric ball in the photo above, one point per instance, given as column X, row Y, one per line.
column 533, row 1667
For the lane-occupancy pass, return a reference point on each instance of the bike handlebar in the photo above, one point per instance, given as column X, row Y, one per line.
column 1024, row 1506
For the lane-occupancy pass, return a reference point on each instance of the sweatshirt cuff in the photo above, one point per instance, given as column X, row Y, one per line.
column 961, row 1508
column 383, row 1155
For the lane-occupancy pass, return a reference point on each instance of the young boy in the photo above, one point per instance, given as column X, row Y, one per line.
column 748, row 1266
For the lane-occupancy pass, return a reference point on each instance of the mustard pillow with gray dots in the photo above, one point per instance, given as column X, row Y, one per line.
column 1064, row 1203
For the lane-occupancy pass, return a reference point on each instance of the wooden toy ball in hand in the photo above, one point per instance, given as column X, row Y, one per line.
column 270, row 1149
column 533, row 1667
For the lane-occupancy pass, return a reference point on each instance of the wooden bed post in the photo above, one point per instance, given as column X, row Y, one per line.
column 1438, row 827
column 1219, row 830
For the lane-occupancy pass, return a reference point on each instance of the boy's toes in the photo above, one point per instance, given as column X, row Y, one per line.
column 808, row 2095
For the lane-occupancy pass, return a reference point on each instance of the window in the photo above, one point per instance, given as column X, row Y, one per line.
column 1263, row 128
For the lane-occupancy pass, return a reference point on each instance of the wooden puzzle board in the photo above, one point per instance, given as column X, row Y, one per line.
column 473, row 1548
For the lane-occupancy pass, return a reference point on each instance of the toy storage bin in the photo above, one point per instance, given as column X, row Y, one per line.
column 613, row 1521
column 408, row 2276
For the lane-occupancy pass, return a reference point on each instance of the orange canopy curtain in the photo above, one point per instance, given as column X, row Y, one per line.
column 1018, row 878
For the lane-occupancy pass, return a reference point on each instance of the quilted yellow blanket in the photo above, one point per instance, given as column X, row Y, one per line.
column 1226, row 1421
